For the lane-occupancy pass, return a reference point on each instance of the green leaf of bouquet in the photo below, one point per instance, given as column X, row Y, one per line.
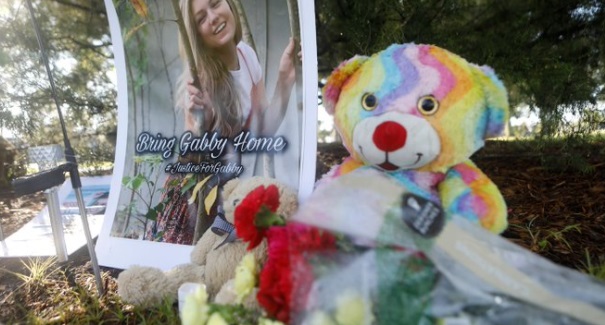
column 404, row 280
column 266, row 218
column 235, row 314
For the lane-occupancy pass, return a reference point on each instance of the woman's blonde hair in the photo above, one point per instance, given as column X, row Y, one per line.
column 214, row 75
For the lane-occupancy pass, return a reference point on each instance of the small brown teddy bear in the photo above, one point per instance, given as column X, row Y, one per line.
column 214, row 257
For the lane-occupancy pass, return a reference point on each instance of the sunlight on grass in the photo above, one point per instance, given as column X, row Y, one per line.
column 48, row 292
column 597, row 271
column 39, row 270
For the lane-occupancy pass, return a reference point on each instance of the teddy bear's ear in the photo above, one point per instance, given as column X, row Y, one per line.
column 335, row 82
column 496, row 99
column 230, row 186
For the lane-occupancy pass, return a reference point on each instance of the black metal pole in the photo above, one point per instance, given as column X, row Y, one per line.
column 70, row 155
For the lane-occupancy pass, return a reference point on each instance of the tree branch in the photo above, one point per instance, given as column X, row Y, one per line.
column 78, row 6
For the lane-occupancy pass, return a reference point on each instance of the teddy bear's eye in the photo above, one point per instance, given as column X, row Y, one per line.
column 235, row 202
column 369, row 102
column 428, row 105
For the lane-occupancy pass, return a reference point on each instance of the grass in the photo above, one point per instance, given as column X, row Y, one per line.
column 49, row 293
column 558, row 236
column 597, row 271
column 541, row 240
column 38, row 271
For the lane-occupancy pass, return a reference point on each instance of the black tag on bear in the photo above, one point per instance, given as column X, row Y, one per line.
column 423, row 216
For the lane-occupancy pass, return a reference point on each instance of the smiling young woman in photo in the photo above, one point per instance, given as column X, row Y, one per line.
column 232, row 94
column 231, row 99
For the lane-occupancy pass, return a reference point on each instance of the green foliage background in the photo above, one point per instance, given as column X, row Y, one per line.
column 78, row 43
column 550, row 54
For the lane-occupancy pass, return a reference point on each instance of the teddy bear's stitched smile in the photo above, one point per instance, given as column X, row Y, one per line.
column 387, row 165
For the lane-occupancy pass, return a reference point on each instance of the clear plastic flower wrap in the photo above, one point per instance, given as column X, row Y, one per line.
column 359, row 256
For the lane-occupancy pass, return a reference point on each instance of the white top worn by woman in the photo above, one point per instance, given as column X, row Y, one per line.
column 246, row 79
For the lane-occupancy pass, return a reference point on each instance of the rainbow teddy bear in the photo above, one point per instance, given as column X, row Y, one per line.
column 360, row 248
column 418, row 113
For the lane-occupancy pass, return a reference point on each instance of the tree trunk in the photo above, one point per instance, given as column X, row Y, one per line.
column 246, row 33
column 294, row 18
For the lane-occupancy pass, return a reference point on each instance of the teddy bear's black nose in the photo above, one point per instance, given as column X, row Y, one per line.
column 389, row 136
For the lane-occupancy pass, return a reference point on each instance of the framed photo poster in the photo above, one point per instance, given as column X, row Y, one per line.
column 230, row 92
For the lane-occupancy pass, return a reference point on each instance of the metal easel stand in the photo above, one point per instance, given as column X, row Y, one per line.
column 56, row 223
column 47, row 157
column 4, row 247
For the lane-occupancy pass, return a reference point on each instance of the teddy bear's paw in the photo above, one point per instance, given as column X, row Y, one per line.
column 181, row 274
column 142, row 286
column 228, row 296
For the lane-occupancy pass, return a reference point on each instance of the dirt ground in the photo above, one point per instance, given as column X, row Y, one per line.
column 17, row 212
column 556, row 211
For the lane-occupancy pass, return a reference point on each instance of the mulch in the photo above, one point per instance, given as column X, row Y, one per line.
column 556, row 201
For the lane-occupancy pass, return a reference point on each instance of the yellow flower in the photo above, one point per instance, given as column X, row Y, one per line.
column 216, row 319
column 266, row 321
column 245, row 277
column 195, row 308
column 352, row 309
column 319, row 317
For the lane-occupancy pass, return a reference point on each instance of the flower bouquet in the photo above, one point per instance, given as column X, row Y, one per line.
column 317, row 276
column 378, row 262
column 355, row 254
column 415, row 268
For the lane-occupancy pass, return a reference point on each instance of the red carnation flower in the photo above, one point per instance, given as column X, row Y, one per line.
column 275, row 283
column 310, row 239
column 255, row 213
column 286, row 278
